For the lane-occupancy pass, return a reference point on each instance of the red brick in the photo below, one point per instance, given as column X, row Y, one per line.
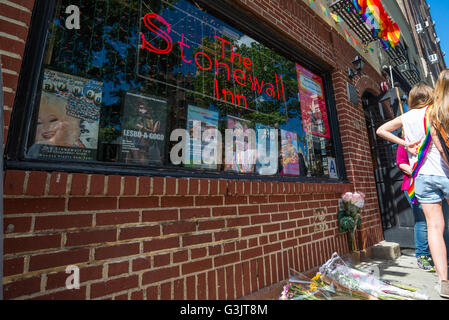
column 179, row 227
column 114, row 185
column 208, row 200
column 160, row 274
column 58, row 183
column 152, row 293
column 180, row 256
column 193, row 186
column 197, row 253
column 35, row 205
column 112, row 286
column 178, row 289
column 62, row 221
column 170, row 186
column 116, row 218
column 139, row 232
column 190, row 240
column 115, row 251
column 230, row 258
column 197, row 266
column 158, row 185
column 176, row 201
column 14, row 181
column 161, row 260
column 32, row 243
column 21, row 287
column 161, row 244
column 137, row 295
column 13, row 266
column 144, row 186
column 166, row 291
column 224, row 211
column 130, row 186
column 141, row 263
column 20, row 225
column 160, row 215
column 225, row 235
column 211, row 224
column 97, row 182
column 211, row 285
column 115, row 269
column 236, row 200
column 57, row 259
column 183, row 186
column 138, row 202
column 94, row 203
column 194, row 213
column 90, row 237
column 79, row 184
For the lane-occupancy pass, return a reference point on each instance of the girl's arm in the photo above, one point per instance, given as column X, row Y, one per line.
column 406, row 169
column 385, row 131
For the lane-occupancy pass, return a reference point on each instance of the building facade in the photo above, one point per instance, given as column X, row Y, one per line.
column 102, row 186
column 432, row 57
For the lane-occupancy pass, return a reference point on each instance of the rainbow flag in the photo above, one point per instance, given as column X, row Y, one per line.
column 422, row 153
column 336, row 17
column 312, row 4
column 375, row 16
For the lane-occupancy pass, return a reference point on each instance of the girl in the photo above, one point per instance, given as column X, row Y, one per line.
column 432, row 181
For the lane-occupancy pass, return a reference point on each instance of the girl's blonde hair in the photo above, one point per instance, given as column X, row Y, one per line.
column 420, row 96
column 440, row 110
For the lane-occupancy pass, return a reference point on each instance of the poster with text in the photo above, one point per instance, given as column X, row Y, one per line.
column 289, row 153
column 243, row 155
column 68, row 118
column 143, row 129
column 313, row 103
column 199, row 121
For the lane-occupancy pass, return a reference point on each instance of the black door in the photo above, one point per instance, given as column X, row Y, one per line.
column 397, row 217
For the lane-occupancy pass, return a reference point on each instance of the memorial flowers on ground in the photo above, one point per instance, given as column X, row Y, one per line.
column 336, row 280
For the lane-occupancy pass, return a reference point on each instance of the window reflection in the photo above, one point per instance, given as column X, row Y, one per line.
column 149, row 67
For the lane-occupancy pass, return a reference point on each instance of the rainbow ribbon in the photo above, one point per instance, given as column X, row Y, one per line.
column 422, row 153
column 375, row 16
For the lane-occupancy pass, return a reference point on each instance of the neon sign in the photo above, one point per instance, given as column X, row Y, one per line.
column 240, row 76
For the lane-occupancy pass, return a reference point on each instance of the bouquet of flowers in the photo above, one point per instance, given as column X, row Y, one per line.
column 337, row 273
column 349, row 218
column 338, row 281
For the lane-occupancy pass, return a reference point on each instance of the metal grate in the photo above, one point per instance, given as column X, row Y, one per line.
column 346, row 10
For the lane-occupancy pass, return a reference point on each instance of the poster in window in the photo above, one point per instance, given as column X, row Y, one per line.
column 264, row 144
column 68, row 118
column 289, row 153
column 313, row 103
column 243, row 158
column 205, row 120
column 143, row 129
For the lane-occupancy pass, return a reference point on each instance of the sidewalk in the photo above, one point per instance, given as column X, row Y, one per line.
column 405, row 271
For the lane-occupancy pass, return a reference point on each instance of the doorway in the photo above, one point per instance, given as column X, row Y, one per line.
column 396, row 214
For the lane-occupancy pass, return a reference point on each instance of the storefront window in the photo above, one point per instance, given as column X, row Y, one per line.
column 165, row 84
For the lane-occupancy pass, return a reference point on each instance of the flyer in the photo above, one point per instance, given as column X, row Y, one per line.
column 243, row 156
column 144, row 124
column 206, row 120
column 313, row 103
column 289, row 153
column 68, row 118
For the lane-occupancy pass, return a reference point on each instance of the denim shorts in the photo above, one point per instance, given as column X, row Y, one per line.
column 431, row 189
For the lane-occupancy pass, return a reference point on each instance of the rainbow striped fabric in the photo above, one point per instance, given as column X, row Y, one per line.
column 422, row 153
column 374, row 15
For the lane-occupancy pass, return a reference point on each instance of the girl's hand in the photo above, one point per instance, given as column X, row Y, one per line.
column 412, row 147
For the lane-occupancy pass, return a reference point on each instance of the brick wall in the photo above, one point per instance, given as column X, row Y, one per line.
column 169, row 238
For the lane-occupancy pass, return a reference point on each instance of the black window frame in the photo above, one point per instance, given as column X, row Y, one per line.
column 24, row 109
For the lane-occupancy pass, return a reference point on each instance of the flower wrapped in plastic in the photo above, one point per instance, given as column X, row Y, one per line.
column 337, row 273
column 349, row 218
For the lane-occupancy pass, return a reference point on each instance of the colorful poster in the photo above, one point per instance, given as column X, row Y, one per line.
column 206, row 120
column 313, row 103
column 143, row 129
column 289, row 153
column 243, row 154
column 68, row 119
